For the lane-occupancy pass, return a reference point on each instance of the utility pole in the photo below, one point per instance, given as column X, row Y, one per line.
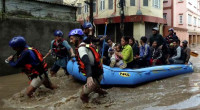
column 90, row 3
column 3, row 8
column 91, row 11
column 122, row 2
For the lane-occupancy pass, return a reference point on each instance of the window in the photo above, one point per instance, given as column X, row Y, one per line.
column 156, row 3
column 145, row 2
column 79, row 8
column 110, row 4
column 180, row 19
column 198, row 22
column 190, row 19
column 94, row 6
column 102, row 5
column 85, row 8
column 165, row 15
column 195, row 21
column 132, row 2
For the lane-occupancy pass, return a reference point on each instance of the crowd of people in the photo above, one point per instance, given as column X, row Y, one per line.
column 155, row 51
column 126, row 54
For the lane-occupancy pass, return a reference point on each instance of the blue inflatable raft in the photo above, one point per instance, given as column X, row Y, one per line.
column 117, row 76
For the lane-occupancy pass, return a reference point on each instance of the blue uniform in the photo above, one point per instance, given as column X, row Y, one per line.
column 26, row 57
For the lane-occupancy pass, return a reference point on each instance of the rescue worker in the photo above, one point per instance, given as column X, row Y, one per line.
column 186, row 52
column 88, row 34
column 171, row 37
column 89, row 64
column 31, row 60
column 59, row 49
column 156, row 37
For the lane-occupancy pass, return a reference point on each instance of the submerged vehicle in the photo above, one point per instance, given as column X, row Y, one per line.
column 117, row 76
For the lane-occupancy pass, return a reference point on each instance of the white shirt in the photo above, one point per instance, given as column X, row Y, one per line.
column 85, row 51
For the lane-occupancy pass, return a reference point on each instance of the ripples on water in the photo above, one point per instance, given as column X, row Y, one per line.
column 179, row 92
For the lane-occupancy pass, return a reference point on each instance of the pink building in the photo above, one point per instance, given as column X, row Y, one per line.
column 184, row 17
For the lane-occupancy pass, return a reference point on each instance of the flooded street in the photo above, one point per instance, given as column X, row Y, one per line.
column 179, row 92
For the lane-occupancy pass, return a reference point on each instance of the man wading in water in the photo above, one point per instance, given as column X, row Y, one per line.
column 89, row 65
column 59, row 48
column 31, row 60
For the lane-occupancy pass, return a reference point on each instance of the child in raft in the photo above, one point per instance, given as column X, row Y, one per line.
column 115, row 60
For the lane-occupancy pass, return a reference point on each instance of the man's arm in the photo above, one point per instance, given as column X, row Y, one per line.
column 146, row 52
column 85, row 59
column 188, row 55
column 66, row 44
column 47, row 54
column 20, row 60
column 50, row 51
column 72, row 52
column 178, row 51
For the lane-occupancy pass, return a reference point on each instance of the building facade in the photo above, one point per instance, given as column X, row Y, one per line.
column 39, row 9
column 184, row 17
column 136, row 24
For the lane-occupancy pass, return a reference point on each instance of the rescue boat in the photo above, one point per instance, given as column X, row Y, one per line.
column 117, row 76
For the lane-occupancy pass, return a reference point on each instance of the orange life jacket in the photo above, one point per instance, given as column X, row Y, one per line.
column 39, row 69
column 97, row 62
column 58, row 49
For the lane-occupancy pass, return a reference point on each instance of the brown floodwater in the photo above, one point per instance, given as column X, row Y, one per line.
column 179, row 92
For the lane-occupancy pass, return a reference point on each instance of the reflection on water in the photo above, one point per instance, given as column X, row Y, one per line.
column 179, row 92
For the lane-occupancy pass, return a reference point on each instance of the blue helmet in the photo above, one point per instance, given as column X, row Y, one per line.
column 58, row 33
column 87, row 25
column 17, row 41
column 171, row 29
column 78, row 32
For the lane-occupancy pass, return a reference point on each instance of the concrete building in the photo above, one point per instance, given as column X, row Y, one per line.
column 136, row 24
column 39, row 9
column 36, row 21
column 184, row 17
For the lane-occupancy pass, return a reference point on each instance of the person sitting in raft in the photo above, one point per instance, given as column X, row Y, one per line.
column 115, row 60
column 136, row 51
column 178, row 58
column 171, row 37
column 156, row 54
column 32, row 63
column 111, row 45
column 127, row 52
column 134, row 46
column 186, row 52
column 144, row 57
